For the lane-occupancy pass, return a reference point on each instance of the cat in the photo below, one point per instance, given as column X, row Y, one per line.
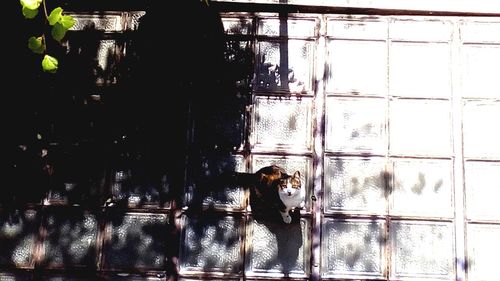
column 272, row 188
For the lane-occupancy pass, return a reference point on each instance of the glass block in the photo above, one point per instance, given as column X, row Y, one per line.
column 287, row 28
column 357, row 67
column 422, row 250
column 15, row 276
column 294, row 58
column 237, row 25
column 357, row 29
column 18, row 232
column 422, row 188
column 70, row 239
column 353, row 248
column 136, row 240
column 139, row 187
column 231, row 197
column 482, row 190
column 240, row 58
column 355, row 185
column 479, row 66
column 108, row 22
column 429, row 30
column 420, row 127
column 410, row 74
column 210, row 244
column 356, row 125
column 482, row 250
column 290, row 164
column 481, row 134
column 275, row 249
column 135, row 278
column 283, row 124
column 479, row 32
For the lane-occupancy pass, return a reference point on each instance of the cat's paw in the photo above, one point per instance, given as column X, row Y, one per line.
column 287, row 219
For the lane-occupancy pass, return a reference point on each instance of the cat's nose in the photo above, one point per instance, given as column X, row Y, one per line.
column 289, row 193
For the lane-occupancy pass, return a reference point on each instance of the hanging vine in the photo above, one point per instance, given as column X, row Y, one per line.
column 59, row 23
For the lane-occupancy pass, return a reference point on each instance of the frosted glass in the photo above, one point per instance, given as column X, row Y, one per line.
column 479, row 67
column 18, row 232
column 357, row 29
column 411, row 74
column 437, row 31
column 480, row 32
column 277, row 249
column 420, row 127
column 482, row 190
column 136, row 240
column 481, row 134
column 353, row 247
column 300, row 59
column 355, row 185
column 283, row 124
column 482, row 250
column 211, row 245
column 356, row 125
column 293, row 27
column 71, row 239
column 357, row 67
column 422, row 188
column 139, row 188
column 231, row 197
column 422, row 250
column 237, row 25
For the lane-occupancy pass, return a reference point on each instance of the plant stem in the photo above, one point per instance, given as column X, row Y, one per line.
column 45, row 10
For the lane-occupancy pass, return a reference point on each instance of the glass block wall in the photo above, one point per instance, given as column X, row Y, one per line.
column 390, row 121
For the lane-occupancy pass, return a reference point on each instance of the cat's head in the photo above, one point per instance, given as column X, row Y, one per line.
column 290, row 185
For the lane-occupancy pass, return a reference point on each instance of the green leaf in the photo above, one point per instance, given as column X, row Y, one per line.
column 67, row 21
column 49, row 64
column 36, row 45
column 28, row 13
column 55, row 15
column 58, row 31
column 31, row 4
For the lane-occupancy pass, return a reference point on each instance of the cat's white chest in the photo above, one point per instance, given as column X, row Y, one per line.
column 293, row 201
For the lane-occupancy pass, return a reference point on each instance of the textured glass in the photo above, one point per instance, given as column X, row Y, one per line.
column 105, row 51
column 411, row 74
column 356, row 125
column 299, row 56
column 422, row 188
column 66, row 278
column 18, row 231
column 482, row 190
column 277, row 249
column 138, row 187
column 14, row 277
column 290, row 164
column 479, row 69
column 135, row 278
column 437, row 31
column 107, row 22
column 283, row 124
column 422, row 250
column 355, row 185
column 136, row 240
column 289, row 28
column 237, row 25
column 420, row 127
column 231, row 197
column 482, row 251
column 211, row 245
column 71, row 239
column 481, row 134
column 357, row 29
column 480, row 32
column 353, row 247
column 357, row 67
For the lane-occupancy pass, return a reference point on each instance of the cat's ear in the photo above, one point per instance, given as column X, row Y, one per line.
column 296, row 174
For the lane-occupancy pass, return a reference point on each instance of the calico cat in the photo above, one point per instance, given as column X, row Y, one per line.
column 271, row 189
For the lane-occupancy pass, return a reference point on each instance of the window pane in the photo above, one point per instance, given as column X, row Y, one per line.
column 353, row 248
column 482, row 250
column 482, row 190
column 481, row 134
column 18, row 232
